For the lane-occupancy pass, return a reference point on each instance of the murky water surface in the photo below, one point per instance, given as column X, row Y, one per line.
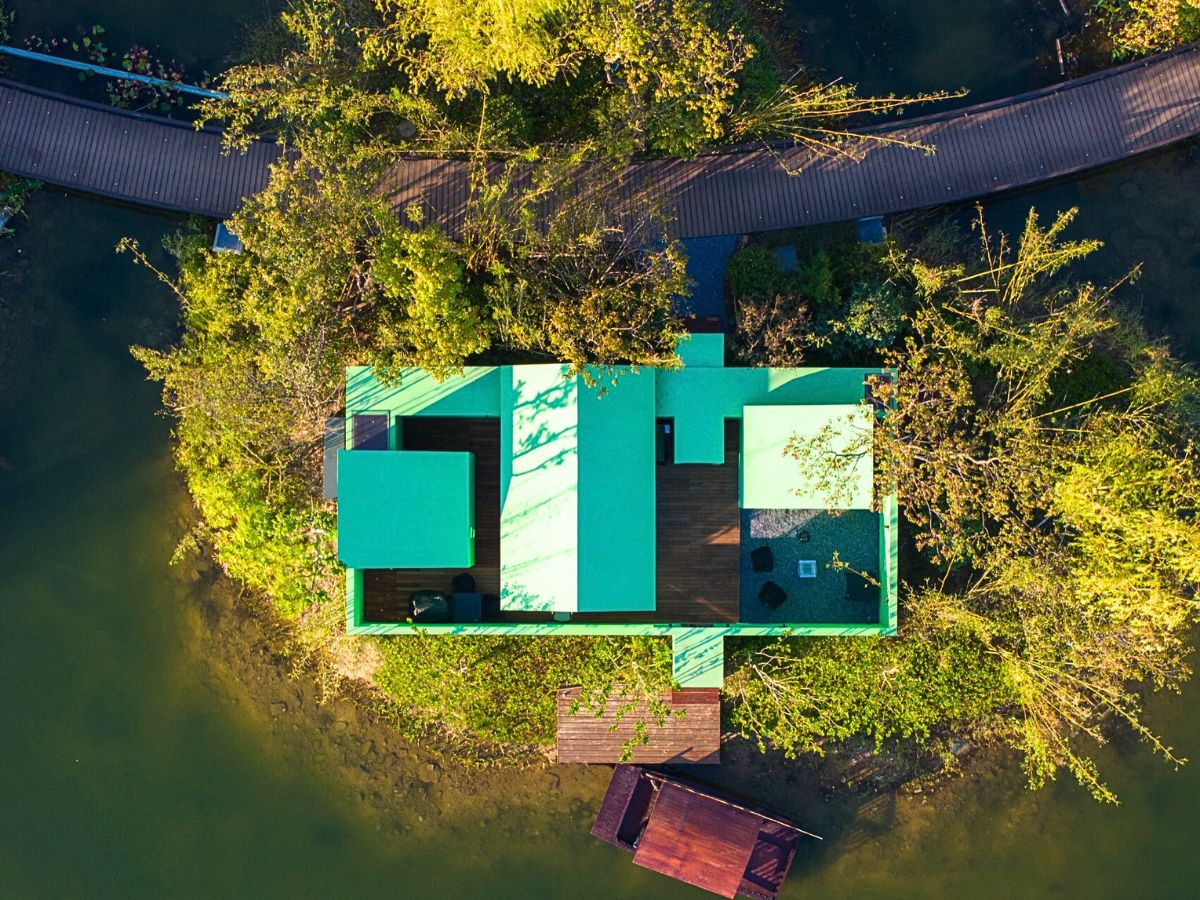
column 148, row 749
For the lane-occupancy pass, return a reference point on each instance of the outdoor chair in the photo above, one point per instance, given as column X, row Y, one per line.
column 860, row 589
column 762, row 559
column 772, row 596
column 430, row 606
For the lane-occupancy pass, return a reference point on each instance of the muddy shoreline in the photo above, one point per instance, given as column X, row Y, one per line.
column 419, row 788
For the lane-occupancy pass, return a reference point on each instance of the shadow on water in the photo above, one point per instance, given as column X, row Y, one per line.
column 993, row 49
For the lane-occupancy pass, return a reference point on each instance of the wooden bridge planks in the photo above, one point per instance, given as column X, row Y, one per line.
column 136, row 158
column 981, row 150
column 694, row 737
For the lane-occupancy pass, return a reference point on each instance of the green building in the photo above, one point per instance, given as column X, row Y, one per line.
column 662, row 504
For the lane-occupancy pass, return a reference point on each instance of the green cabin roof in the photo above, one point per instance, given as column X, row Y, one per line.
column 577, row 492
column 406, row 510
column 772, row 480
column 578, row 467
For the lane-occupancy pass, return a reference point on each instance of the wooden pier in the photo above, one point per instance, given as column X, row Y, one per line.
column 692, row 737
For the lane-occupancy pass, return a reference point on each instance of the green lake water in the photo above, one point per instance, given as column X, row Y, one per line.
column 134, row 762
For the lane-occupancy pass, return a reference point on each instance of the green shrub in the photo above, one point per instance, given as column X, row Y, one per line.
column 502, row 689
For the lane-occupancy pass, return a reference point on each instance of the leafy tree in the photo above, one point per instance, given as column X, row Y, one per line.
column 1139, row 27
column 548, row 101
column 467, row 47
column 573, row 271
column 838, row 305
column 1055, row 512
column 442, row 320
column 664, row 76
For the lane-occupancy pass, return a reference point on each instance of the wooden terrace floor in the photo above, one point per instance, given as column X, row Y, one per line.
column 697, row 535
column 386, row 592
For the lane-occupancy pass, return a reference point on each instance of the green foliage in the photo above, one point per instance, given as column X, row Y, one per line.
column 329, row 278
column 441, row 320
column 872, row 321
column 1042, row 450
column 501, row 689
column 267, row 335
column 451, row 76
column 467, row 46
column 839, row 305
column 573, row 271
column 1140, row 27
column 14, row 191
column 799, row 693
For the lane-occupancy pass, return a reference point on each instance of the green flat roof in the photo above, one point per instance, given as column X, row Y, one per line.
column 771, row 480
column 539, row 487
column 401, row 509
column 474, row 394
column 617, row 508
column 577, row 519
column 703, row 350
column 701, row 397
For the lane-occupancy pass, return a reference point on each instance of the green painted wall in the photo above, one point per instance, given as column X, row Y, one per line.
column 700, row 399
column 703, row 351
column 475, row 394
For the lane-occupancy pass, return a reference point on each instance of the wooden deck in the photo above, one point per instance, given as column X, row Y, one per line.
column 137, row 158
column 981, row 150
column 694, row 737
column 698, row 536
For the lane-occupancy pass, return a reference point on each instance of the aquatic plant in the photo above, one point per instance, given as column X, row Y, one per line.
column 88, row 45
column 14, row 191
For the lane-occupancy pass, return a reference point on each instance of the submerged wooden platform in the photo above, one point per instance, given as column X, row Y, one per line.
column 982, row 149
column 694, row 737
column 696, row 834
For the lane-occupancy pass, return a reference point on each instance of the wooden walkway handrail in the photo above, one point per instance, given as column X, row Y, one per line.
column 984, row 149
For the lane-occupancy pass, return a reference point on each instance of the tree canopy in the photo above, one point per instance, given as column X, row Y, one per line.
column 1140, row 27
column 1043, row 452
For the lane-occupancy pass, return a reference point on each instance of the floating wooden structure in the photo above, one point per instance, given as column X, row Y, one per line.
column 690, row 734
column 983, row 149
column 697, row 835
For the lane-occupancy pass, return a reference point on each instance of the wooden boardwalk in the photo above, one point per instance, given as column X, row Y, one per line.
column 141, row 159
column 981, row 150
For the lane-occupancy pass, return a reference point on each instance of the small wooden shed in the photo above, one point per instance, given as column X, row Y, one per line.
column 696, row 835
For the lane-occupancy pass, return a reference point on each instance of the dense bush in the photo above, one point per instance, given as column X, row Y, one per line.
column 1140, row 27
column 838, row 305
column 503, row 688
column 1043, row 453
